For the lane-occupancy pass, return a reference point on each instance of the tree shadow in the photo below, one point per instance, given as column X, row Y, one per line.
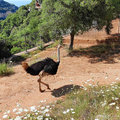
column 18, row 59
column 105, row 50
column 64, row 90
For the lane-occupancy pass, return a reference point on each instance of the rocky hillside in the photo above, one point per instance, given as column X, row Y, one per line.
column 6, row 8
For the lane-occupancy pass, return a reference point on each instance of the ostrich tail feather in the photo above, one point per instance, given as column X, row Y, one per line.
column 25, row 65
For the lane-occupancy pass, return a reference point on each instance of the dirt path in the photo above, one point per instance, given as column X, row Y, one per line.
column 23, row 88
column 90, row 38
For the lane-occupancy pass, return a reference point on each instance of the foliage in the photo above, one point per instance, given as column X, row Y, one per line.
column 23, row 29
column 4, row 49
column 56, row 43
column 5, row 69
column 41, row 45
column 93, row 102
column 73, row 16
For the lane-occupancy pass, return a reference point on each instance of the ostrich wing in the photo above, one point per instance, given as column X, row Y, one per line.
column 51, row 69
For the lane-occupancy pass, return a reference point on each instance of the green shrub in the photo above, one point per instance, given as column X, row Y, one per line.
column 56, row 43
column 15, row 50
column 41, row 45
column 5, row 69
column 4, row 50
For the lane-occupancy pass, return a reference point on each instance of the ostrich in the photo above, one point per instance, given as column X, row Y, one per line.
column 43, row 68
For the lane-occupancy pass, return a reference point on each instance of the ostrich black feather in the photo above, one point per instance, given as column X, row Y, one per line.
column 47, row 65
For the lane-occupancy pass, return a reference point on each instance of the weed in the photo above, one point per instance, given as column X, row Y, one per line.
column 94, row 103
column 56, row 43
column 5, row 69
column 41, row 45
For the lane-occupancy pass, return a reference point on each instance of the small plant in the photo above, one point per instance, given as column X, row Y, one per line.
column 41, row 45
column 56, row 43
column 5, row 69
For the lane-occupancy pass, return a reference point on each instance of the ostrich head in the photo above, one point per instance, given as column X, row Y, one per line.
column 25, row 65
column 59, row 46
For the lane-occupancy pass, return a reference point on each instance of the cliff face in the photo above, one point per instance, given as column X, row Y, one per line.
column 6, row 8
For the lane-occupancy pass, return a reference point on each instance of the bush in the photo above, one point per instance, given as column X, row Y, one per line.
column 5, row 69
column 4, row 50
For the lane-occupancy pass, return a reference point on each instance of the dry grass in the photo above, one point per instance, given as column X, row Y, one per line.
column 5, row 69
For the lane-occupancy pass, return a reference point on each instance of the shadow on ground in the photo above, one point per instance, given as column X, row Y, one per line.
column 18, row 59
column 64, row 90
column 105, row 50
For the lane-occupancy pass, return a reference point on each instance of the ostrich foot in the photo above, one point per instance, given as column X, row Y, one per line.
column 38, row 80
column 42, row 90
column 48, row 87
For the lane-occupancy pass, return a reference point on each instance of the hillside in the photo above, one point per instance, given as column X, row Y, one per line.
column 29, row 27
column 95, row 60
column 21, row 29
column 23, row 88
column 6, row 8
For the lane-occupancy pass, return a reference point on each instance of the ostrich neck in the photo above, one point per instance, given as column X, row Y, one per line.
column 58, row 55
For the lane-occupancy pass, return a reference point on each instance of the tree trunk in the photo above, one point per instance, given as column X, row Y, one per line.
column 72, row 34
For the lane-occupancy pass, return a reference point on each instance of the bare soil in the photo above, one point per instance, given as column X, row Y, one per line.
column 23, row 88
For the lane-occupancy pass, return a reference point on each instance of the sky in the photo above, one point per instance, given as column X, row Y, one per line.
column 19, row 2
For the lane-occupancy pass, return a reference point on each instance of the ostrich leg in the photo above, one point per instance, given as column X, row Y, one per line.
column 46, row 85
column 39, row 80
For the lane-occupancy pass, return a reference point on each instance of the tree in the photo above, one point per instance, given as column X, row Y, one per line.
column 4, row 49
column 34, row 30
column 73, row 16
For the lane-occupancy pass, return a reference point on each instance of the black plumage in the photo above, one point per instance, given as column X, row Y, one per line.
column 47, row 65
